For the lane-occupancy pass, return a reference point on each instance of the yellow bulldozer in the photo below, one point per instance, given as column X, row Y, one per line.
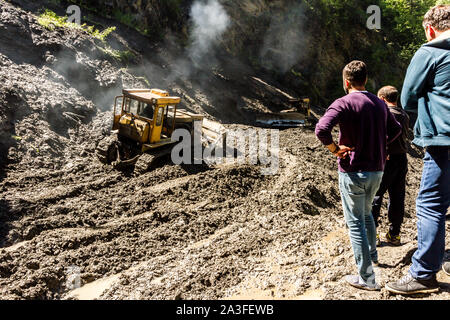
column 143, row 124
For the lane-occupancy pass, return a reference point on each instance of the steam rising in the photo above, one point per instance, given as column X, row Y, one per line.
column 210, row 21
column 285, row 41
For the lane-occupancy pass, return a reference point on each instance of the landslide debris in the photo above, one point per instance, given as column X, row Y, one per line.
column 177, row 232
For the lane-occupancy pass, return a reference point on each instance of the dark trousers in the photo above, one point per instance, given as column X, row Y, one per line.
column 394, row 180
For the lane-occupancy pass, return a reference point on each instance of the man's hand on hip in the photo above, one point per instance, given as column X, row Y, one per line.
column 340, row 151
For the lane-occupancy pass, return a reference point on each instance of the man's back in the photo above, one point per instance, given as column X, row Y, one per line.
column 400, row 145
column 365, row 123
column 426, row 91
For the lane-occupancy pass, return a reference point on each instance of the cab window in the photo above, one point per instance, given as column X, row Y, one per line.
column 146, row 110
column 126, row 105
column 134, row 106
column 159, row 117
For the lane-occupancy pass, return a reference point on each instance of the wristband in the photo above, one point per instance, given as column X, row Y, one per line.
column 335, row 150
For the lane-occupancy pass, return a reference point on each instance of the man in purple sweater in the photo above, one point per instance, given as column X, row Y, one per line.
column 366, row 127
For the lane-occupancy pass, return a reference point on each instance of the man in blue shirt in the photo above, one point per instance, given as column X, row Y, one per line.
column 426, row 91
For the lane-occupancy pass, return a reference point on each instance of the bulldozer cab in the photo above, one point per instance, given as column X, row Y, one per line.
column 146, row 116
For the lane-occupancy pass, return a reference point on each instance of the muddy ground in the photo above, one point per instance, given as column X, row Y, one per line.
column 176, row 232
column 190, row 233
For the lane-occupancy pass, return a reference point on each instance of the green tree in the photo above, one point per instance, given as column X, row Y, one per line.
column 404, row 24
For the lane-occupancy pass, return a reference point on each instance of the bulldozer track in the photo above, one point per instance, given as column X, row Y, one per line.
column 104, row 149
column 144, row 163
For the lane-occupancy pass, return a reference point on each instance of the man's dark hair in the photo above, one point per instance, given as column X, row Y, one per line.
column 356, row 73
column 389, row 93
column 438, row 17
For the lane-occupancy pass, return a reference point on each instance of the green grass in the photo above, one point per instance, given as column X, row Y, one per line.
column 99, row 35
column 51, row 20
column 129, row 20
column 124, row 56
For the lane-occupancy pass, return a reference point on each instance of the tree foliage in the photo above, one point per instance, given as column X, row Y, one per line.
column 342, row 36
column 403, row 24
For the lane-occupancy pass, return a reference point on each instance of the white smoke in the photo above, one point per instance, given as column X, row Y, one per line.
column 209, row 22
column 285, row 42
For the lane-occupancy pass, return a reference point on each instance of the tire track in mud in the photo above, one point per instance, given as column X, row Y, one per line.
column 195, row 249
column 105, row 248
column 255, row 221
column 173, row 232
column 95, row 289
column 174, row 277
column 283, row 273
column 175, row 274
column 69, row 199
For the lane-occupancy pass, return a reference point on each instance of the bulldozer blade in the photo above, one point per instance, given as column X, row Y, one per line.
column 213, row 131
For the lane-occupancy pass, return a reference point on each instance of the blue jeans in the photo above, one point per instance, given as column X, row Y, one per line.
column 431, row 206
column 358, row 190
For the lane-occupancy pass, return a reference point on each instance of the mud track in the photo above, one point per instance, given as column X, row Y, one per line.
column 188, row 233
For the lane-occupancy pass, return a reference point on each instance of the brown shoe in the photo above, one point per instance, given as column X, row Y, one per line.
column 393, row 240
column 409, row 285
